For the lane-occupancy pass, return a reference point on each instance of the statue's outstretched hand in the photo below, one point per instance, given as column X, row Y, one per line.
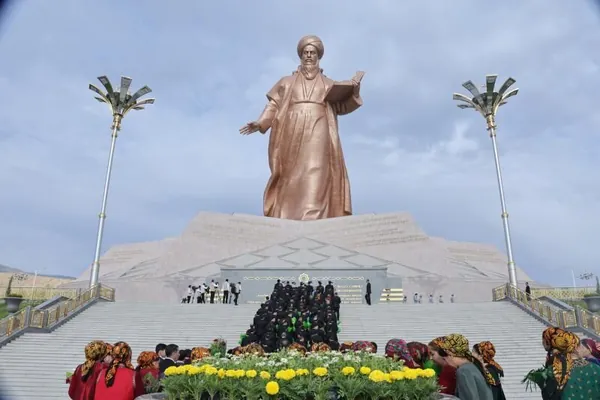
column 249, row 128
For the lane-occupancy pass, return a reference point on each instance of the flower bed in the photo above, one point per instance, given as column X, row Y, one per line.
column 290, row 375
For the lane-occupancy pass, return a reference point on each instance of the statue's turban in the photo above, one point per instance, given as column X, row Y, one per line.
column 312, row 40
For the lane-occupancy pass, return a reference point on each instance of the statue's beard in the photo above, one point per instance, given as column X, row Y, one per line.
column 310, row 71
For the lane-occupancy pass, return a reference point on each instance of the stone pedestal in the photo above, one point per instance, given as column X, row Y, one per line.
column 349, row 283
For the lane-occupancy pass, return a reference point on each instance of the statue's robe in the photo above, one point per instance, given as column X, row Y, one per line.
column 308, row 179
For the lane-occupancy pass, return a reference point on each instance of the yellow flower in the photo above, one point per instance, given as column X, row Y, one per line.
column 251, row 373
column 171, row 371
column 240, row 373
column 348, row 371
column 410, row 373
column 429, row 373
column 387, row 378
column 210, row 370
column 397, row 375
column 194, row 370
column 272, row 388
column 302, row 372
column 230, row 373
column 265, row 375
column 285, row 374
column 181, row 370
column 365, row 370
column 320, row 371
column 221, row 373
column 377, row 376
column 289, row 374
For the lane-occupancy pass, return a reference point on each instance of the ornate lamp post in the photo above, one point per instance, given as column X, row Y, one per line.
column 487, row 104
column 120, row 102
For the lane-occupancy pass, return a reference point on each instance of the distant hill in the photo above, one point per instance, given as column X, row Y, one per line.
column 6, row 268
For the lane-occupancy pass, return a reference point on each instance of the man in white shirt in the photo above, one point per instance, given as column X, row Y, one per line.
column 203, row 291
column 190, row 293
column 214, row 288
column 211, row 288
column 226, row 288
column 236, row 294
column 198, row 295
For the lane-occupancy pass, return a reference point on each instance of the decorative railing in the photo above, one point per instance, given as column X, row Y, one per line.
column 562, row 293
column 575, row 317
column 42, row 293
column 30, row 317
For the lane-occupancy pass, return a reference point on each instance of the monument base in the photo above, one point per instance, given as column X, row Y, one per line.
column 220, row 246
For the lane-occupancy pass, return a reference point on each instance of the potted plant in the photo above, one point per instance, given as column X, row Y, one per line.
column 13, row 301
column 592, row 300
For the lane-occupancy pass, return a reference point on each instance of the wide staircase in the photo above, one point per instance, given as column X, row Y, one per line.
column 516, row 335
column 35, row 365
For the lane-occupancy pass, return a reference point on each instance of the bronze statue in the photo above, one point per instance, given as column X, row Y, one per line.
column 308, row 174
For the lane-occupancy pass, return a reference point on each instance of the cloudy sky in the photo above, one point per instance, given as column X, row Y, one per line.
column 409, row 148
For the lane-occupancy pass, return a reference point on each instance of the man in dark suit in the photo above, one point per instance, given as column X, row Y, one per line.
column 368, row 293
column 170, row 360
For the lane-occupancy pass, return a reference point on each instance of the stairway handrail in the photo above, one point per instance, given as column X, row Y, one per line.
column 573, row 318
column 30, row 317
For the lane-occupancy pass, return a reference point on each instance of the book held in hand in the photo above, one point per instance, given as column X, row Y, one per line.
column 342, row 90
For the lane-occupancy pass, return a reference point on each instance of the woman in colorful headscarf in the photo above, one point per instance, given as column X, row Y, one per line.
column 397, row 349
column 590, row 350
column 565, row 374
column 319, row 348
column 346, row 347
column 108, row 357
column 146, row 372
column 117, row 382
column 297, row 347
column 366, row 346
column 83, row 381
column 446, row 374
column 473, row 381
column 485, row 352
column 420, row 354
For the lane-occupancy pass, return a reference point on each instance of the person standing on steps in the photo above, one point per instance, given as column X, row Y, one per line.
column 190, row 292
column 198, row 295
column 212, row 287
column 368, row 292
column 528, row 291
column 226, row 288
column 236, row 294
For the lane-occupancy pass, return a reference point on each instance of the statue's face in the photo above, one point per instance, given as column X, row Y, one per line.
column 310, row 56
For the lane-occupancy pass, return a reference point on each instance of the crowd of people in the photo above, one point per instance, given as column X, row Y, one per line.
column 213, row 293
column 296, row 315
column 298, row 318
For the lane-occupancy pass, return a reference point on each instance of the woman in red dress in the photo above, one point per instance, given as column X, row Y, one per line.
column 83, row 381
column 447, row 374
column 117, row 382
column 147, row 364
